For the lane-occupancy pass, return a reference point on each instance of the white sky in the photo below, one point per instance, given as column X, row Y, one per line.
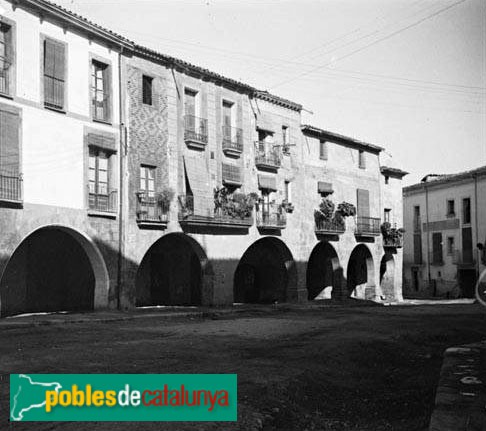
column 409, row 75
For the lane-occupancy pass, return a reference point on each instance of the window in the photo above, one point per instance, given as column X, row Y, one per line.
column 466, row 210
column 362, row 159
column 6, row 60
column 54, row 74
column 387, row 215
column 287, row 192
column 323, row 150
column 147, row 180
column 285, row 140
column 227, row 120
column 387, row 179
column 450, row 208
column 101, row 198
column 450, row 245
column 10, row 177
column 100, row 90
column 437, row 248
column 147, row 90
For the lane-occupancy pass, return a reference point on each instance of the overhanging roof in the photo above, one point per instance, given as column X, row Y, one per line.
column 393, row 172
column 337, row 138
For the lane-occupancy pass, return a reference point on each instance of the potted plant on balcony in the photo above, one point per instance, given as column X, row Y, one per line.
column 391, row 235
column 287, row 206
column 164, row 198
column 346, row 209
column 324, row 212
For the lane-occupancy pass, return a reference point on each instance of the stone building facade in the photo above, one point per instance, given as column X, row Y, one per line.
column 445, row 234
column 157, row 182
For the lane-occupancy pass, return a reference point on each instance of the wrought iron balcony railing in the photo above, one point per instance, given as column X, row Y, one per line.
column 396, row 242
column 104, row 202
column 231, row 175
column 11, row 186
column 202, row 211
column 195, row 131
column 4, row 75
column 151, row 210
column 232, row 140
column 268, row 159
column 367, row 226
column 271, row 216
column 329, row 227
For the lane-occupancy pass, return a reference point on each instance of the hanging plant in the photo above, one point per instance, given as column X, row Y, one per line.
column 346, row 209
column 326, row 208
column 164, row 197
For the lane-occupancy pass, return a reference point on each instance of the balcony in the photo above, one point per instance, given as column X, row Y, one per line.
column 232, row 175
column 367, row 226
column 151, row 212
column 202, row 211
column 329, row 227
column 195, row 132
column 100, row 204
column 271, row 217
column 11, row 187
column 232, row 141
column 392, row 236
column 269, row 159
column 393, row 242
column 463, row 258
column 4, row 75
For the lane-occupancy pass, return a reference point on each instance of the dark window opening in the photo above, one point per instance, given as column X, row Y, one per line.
column 147, row 83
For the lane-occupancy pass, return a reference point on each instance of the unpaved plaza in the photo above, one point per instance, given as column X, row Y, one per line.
column 326, row 368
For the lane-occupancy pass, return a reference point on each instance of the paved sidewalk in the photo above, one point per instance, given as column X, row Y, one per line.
column 460, row 402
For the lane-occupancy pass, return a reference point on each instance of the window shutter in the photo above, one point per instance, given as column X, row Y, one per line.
column 107, row 92
column 58, row 61
column 363, row 199
column 437, row 247
column 49, row 58
column 9, row 143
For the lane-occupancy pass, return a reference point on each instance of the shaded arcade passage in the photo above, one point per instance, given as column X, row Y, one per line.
column 360, row 273
column 49, row 271
column 324, row 273
column 174, row 271
column 264, row 272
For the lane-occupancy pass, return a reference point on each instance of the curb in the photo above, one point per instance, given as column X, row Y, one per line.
column 461, row 394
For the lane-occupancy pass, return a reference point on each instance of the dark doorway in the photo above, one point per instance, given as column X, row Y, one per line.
column 324, row 273
column 49, row 271
column 467, row 282
column 360, row 273
column 174, row 271
column 264, row 273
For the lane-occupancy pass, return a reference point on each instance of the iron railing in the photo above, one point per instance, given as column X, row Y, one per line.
column 195, row 129
column 266, row 158
column 232, row 139
column 367, row 225
column 202, row 210
column 271, row 216
column 11, row 186
column 53, row 92
column 4, row 75
column 231, row 174
column 330, row 226
column 396, row 242
column 104, row 202
column 150, row 209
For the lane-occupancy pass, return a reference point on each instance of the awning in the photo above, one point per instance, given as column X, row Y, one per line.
column 267, row 182
column 104, row 141
column 264, row 122
column 323, row 187
column 198, row 177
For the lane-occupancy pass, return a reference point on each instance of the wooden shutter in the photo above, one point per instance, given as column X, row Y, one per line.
column 323, row 150
column 467, row 245
column 9, row 143
column 417, row 248
column 437, row 247
column 363, row 199
column 54, row 73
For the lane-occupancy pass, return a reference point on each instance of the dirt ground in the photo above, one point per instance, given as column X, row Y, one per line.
column 339, row 368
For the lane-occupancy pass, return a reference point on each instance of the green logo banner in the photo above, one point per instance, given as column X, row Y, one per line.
column 123, row 397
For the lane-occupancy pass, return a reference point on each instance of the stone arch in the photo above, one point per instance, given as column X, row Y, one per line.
column 265, row 273
column 361, row 273
column 54, row 268
column 387, row 275
column 324, row 273
column 174, row 271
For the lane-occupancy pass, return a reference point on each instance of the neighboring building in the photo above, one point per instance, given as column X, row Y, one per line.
column 59, row 149
column 445, row 220
column 131, row 178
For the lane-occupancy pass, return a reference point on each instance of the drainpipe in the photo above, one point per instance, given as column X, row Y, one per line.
column 121, row 175
column 427, row 231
